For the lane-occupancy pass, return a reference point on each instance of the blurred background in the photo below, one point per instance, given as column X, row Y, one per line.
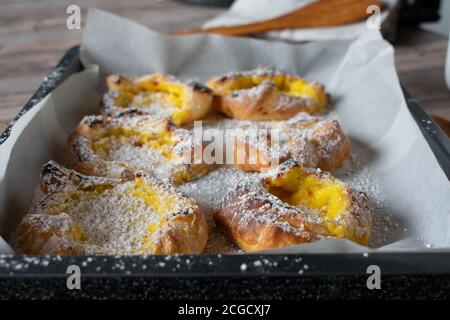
column 34, row 35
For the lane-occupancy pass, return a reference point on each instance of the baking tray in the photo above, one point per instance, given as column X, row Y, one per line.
column 243, row 276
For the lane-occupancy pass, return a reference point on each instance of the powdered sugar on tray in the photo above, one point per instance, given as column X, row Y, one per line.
column 219, row 243
column 357, row 174
column 211, row 189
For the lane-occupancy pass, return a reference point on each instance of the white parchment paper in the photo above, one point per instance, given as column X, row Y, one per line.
column 359, row 75
column 250, row 11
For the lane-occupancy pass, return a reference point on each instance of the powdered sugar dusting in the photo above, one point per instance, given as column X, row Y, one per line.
column 144, row 158
column 356, row 173
column 210, row 190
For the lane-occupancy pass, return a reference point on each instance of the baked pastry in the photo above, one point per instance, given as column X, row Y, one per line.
column 266, row 94
column 314, row 143
column 82, row 215
column 160, row 95
column 293, row 205
column 317, row 143
column 117, row 147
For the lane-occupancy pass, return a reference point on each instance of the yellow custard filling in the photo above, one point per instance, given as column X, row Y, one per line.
column 163, row 91
column 157, row 140
column 158, row 202
column 286, row 84
column 299, row 188
column 107, row 143
column 78, row 234
column 154, row 92
column 157, row 199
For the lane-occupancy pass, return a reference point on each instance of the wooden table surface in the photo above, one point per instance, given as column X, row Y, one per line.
column 33, row 37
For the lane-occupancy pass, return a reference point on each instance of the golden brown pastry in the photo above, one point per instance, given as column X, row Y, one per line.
column 293, row 205
column 117, row 147
column 314, row 143
column 266, row 94
column 160, row 95
column 81, row 215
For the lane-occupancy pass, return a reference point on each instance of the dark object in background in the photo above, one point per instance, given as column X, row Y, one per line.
column 418, row 11
column 215, row 3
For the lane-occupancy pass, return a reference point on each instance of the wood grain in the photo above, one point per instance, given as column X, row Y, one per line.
column 317, row 14
column 33, row 37
column 420, row 61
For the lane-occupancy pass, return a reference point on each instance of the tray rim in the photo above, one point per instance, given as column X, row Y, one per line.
column 227, row 265
column 393, row 263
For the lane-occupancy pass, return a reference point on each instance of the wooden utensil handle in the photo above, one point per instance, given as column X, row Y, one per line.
column 317, row 14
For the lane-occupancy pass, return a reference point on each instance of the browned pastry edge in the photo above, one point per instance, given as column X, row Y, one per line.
column 269, row 104
column 264, row 101
column 197, row 103
column 323, row 145
column 253, row 234
column 332, row 146
column 257, row 220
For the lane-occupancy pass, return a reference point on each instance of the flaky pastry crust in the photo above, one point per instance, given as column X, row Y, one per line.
column 313, row 142
column 82, row 215
column 157, row 94
column 119, row 146
column 293, row 205
column 266, row 94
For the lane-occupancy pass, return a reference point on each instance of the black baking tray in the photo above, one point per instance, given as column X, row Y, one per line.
column 243, row 276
